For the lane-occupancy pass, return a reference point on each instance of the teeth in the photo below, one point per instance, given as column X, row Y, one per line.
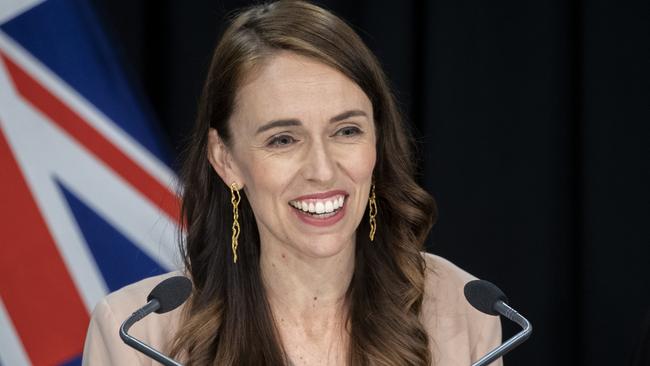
column 335, row 204
column 319, row 207
column 329, row 206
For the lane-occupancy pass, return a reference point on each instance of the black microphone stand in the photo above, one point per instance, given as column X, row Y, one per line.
column 149, row 308
column 510, row 313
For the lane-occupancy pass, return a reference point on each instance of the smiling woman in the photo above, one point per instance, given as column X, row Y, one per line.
column 319, row 149
column 305, row 226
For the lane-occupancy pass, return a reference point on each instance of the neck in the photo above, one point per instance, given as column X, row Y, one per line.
column 306, row 288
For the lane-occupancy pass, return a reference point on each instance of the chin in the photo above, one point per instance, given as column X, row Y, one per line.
column 326, row 246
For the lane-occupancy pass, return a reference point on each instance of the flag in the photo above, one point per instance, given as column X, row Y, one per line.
column 87, row 201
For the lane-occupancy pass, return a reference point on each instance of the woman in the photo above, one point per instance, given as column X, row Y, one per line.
column 304, row 223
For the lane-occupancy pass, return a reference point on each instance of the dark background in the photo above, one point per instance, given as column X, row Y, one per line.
column 533, row 122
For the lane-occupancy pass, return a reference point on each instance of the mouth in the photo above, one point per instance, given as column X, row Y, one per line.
column 320, row 209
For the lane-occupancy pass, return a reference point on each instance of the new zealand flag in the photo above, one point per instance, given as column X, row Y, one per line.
column 87, row 202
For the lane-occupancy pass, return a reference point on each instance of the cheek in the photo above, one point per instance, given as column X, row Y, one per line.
column 360, row 164
column 266, row 179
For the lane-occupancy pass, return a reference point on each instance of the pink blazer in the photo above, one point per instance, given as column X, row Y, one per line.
column 458, row 334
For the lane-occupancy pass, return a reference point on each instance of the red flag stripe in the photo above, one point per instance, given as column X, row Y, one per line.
column 92, row 140
column 36, row 288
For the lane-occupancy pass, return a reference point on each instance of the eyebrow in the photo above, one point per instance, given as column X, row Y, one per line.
column 296, row 122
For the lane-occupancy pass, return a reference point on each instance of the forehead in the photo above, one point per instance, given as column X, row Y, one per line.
column 293, row 86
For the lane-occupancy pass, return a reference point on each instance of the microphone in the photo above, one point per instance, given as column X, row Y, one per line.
column 166, row 296
column 489, row 299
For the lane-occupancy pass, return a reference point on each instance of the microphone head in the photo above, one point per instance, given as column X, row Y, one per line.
column 171, row 293
column 483, row 295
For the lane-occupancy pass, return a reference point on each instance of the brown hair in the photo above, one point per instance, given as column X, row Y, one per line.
column 228, row 319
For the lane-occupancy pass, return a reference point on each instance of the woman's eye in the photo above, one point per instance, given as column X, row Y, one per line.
column 349, row 131
column 280, row 141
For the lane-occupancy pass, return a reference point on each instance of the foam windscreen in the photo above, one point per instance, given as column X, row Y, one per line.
column 171, row 293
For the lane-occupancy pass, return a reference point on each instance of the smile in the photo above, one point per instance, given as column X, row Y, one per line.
column 319, row 207
column 323, row 209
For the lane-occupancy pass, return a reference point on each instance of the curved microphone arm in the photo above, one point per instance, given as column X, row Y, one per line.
column 510, row 313
column 149, row 308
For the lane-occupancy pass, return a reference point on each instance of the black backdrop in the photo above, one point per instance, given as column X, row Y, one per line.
column 533, row 122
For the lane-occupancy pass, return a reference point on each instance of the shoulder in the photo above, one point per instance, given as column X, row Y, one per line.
column 444, row 278
column 129, row 298
column 443, row 291
column 103, row 344
column 458, row 333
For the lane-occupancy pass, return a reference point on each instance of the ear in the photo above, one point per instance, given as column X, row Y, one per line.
column 221, row 160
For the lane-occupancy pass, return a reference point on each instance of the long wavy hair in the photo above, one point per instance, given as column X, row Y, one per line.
column 228, row 320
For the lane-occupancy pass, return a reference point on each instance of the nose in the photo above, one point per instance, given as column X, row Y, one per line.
column 319, row 164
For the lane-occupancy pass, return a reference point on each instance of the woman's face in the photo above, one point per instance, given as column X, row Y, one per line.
column 303, row 146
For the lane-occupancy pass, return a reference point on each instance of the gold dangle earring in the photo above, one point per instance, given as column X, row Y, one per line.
column 234, row 199
column 372, row 206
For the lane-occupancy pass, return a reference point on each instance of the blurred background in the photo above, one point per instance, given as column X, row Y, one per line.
column 533, row 123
